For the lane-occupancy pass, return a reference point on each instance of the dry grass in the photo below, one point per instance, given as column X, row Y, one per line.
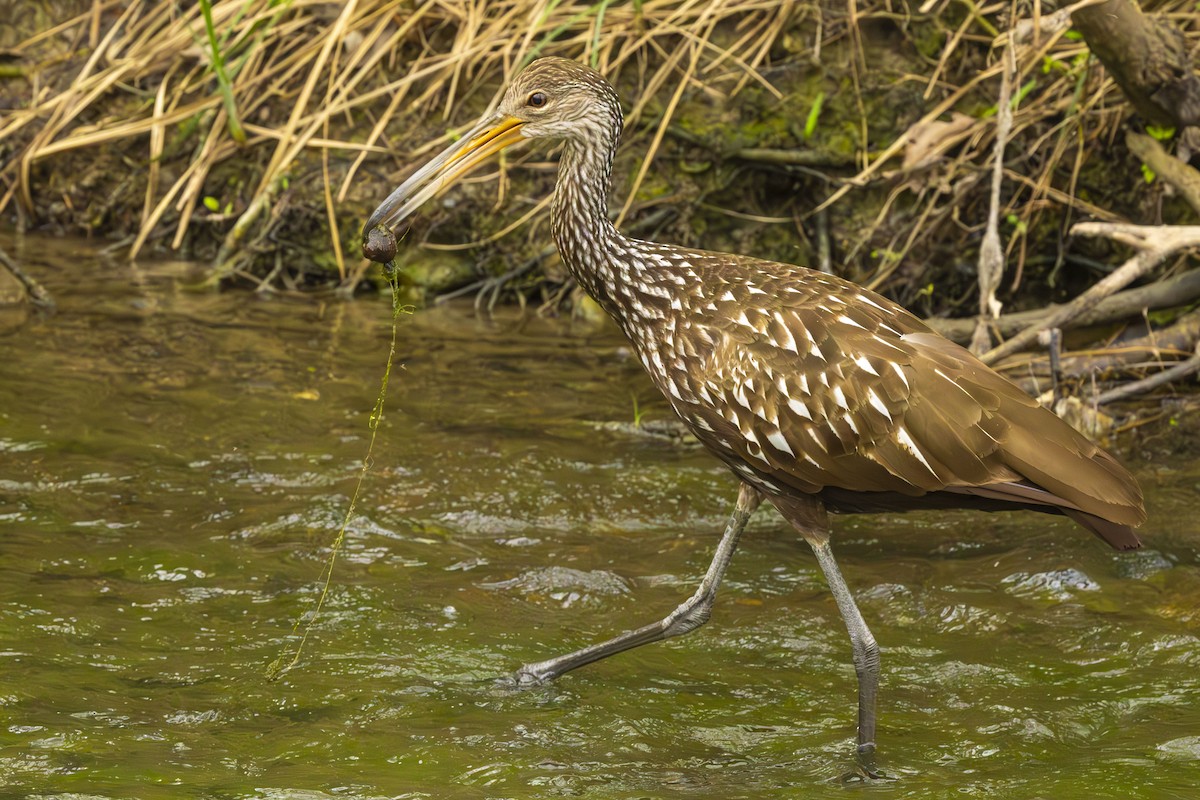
column 328, row 85
column 353, row 73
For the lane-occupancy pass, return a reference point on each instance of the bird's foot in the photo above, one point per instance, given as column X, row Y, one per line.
column 865, row 769
column 527, row 677
column 864, row 774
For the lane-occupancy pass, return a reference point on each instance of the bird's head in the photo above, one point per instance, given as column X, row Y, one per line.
column 552, row 98
column 556, row 98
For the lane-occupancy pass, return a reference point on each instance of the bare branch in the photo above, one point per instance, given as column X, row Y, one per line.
column 1181, row 175
column 1180, row 370
column 1175, row 291
column 1154, row 243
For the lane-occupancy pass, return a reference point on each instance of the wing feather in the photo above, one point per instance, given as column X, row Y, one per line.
column 823, row 385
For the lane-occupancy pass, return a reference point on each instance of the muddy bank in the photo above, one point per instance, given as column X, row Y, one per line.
column 123, row 129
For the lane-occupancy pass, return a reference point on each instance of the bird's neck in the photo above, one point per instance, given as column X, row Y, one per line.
column 596, row 254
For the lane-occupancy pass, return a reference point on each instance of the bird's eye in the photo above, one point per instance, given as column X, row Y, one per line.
column 537, row 99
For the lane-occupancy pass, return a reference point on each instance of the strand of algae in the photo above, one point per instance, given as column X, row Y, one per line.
column 281, row 665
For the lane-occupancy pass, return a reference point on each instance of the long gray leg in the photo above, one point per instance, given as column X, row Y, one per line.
column 691, row 614
column 866, row 655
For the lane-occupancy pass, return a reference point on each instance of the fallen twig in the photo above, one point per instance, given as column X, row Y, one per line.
column 1154, row 243
column 1180, row 370
column 1045, row 24
column 1176, row 291
column 1173, row 342
column 1128, row 356
column 35, row 291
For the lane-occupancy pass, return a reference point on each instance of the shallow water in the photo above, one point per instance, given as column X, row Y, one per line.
column 174, row 466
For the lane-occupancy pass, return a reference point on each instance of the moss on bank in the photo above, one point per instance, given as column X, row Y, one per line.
column 727, row 176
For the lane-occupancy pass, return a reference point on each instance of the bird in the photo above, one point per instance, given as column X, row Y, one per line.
column 819, row 395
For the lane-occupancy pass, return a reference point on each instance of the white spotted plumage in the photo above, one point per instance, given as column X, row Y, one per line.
column 802, row 382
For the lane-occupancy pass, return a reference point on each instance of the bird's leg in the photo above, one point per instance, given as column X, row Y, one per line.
column 866, row 655
column 691, row 614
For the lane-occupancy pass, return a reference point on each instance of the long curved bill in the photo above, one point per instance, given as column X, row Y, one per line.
column 486, row 139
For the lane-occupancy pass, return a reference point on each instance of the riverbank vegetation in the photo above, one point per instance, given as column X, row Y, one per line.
column 859, row 138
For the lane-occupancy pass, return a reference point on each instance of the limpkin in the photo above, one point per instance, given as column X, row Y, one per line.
column 818, row 394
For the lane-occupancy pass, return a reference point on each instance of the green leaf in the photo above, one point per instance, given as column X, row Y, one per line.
column 1024, row 90
column 596, row 29
column 990, row 111
column 1162, row 134
column 217, row 63
column 638, row 413
column 212, row 204
column 810, row 124
column 1148, row 174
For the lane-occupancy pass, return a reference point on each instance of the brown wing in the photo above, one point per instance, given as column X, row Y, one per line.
column 821, row 384
column 1035, row 443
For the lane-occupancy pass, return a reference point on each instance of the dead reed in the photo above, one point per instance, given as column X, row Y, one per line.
column 181, row 94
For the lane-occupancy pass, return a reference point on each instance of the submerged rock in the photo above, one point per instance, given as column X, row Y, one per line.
column 1059, row 584
column 565, row 585
column 1185, row 748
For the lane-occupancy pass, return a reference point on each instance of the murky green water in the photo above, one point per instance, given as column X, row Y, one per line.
column 173, row 467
